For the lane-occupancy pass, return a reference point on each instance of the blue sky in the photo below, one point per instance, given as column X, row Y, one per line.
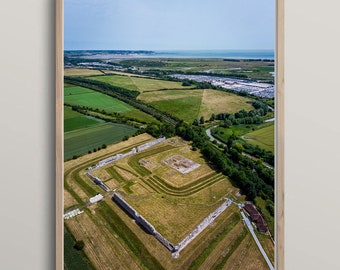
column 168, row 24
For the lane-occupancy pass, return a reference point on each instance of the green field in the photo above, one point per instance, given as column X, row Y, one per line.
column 80, row 96
column 80, row 141
column 192, row 104
column 74, row 259
column 139, row 84
column 239, row 130
column 74, row 120
column 121, row 81
column 85, row 97
column 263, row 137
column 70, row 90
column 186, row 108
column 253, row 69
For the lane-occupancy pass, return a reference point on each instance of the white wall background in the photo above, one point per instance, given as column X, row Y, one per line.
column 312, row 134
column 27, row 134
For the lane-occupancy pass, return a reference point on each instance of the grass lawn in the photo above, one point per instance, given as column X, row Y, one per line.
column 74, row 120
column 74, row 259
column 139, row 84
column 263, row 137
column 192, row 104
column 82, row 140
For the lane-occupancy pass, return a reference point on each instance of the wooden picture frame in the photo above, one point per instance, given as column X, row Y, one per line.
column 279, row 133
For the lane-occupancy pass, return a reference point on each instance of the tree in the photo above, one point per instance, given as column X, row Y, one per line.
column 213, row 117
column 79, row 245
column 202, row 120
column 237, row 146
column 186, row 82
column 195, row 123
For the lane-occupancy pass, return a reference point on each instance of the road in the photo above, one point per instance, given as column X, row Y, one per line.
column 270, row 120
column 251, row 229
column 208, row 131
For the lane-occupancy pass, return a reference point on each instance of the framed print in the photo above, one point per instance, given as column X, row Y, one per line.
column 170, row 134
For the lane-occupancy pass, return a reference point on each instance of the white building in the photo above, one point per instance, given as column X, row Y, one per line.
column 96, row 198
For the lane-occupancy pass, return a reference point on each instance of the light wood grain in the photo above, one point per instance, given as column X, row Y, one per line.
column 59, row 136
column 279, row 154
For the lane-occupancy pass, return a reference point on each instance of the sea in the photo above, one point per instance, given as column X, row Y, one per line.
column 233, row 54
column 226, row 54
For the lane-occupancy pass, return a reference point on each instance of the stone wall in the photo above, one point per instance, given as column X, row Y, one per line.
column 98, row 182
column 142, row 221
column 149, row 144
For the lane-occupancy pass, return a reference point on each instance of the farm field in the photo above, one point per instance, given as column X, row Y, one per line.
column 81, row 72
column 140, row 84
column 74, row 120
column 86, row 97
column 75, row 95
column 74, row 259
column 192, row 104
column 263, row 137
column 113, row 240
column 81, row 141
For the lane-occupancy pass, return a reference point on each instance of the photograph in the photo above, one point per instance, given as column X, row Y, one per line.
column 170, row 147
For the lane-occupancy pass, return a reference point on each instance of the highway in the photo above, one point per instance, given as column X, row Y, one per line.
column 251, row 229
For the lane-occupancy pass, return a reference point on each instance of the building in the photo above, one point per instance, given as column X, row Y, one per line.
column 256, row 217
column 96, row 198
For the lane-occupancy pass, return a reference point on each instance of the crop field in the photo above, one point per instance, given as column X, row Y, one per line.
column 74, row 259
column 74, row 120
column 75, row 95
column 214, row 101
column 263, row 137
column 173, row 202
column 140, row 84
column 70, row 90
column 81, row 141
column 86, row 97
column 192, row 104
column 81, row 72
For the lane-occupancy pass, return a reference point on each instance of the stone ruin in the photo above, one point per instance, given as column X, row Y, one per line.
column 181, row 164
column 133, row 151
column 151, row 229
